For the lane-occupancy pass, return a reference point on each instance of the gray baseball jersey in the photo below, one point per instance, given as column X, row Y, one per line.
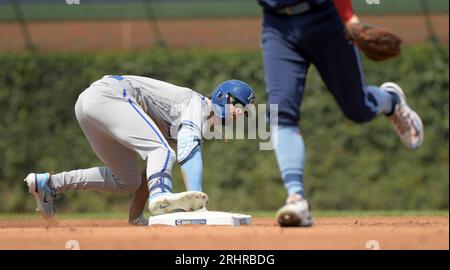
column 124, row 115
column 169, row 106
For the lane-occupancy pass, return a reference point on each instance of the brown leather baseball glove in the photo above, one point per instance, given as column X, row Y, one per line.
column 376, row 43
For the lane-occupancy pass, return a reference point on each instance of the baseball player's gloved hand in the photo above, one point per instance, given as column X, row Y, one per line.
column 376, row 43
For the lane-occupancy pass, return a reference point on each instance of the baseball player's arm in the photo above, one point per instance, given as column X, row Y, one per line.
column 136, row 212
column 376, row 43
column 345, row 10
column 189, row 144
column 189, row 155
column 192, row 170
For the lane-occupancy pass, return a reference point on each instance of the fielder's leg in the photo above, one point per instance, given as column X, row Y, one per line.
column 285, row 73
column 339, row 64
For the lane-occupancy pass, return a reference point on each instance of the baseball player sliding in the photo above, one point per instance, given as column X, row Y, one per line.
column 122, row 116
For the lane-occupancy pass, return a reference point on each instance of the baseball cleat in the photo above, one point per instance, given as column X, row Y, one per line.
column 295, row 213
column 44, row 195
column 406, row 122
column 164, row 203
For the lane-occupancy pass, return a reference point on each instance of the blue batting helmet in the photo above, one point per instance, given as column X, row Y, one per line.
column 239, row 90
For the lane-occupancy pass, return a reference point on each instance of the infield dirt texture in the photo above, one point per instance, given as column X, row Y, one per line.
column 237, row 33
column 410, row 232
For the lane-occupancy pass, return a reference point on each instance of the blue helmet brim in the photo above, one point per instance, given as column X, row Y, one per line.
column 221, row 111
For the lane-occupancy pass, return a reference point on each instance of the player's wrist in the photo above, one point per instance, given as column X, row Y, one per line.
column 353, row 20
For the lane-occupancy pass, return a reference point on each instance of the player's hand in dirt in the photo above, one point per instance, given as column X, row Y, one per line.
column 136, row 216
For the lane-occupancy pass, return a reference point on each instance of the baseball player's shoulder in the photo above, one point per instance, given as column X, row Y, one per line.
column 200, row 103
column 195, row 98
column 198, row 97
column 197, row 109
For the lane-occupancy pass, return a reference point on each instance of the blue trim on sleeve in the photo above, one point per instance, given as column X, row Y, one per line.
column 192, row 124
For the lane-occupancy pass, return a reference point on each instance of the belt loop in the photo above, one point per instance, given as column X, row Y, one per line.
column 296, row 9
column 117, row 77
column 288, row 10
column 125, row 85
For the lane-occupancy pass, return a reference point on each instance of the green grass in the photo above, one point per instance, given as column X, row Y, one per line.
column 191, row 9
column 327, row 213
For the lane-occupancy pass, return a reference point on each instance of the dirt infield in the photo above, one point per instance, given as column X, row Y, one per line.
column 240, row 33
column 328, row 233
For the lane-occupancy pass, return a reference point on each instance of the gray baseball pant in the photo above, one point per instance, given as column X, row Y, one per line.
column 117, row 129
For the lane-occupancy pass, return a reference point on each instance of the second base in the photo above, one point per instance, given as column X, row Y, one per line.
column 201, row 218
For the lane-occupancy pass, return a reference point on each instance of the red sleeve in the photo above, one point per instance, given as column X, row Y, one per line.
column 344, row 8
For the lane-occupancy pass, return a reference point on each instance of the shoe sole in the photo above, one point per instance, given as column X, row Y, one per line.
column 393, row 87
column 291, row 219
column 182, row 202
column 288, row 220
column 31, row 182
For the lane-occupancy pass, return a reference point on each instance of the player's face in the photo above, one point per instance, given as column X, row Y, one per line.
column 237, row 111
column 236, row 108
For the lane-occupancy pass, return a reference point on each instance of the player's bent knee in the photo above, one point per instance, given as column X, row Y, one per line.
column 78, row 105
column 83, row 105
column 287, row 119
column 359, row 117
